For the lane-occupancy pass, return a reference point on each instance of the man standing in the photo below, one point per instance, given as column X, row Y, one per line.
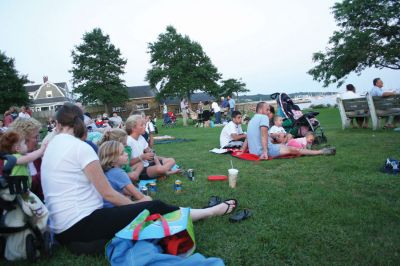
column 231, row 102
column 232, row 134
column 224, row 106
column 217, row 112
column 377, row 91
column 184, row 110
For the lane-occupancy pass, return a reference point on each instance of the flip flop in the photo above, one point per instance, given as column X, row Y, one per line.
column 214, row 200
column 229, row 205
column 240, row 216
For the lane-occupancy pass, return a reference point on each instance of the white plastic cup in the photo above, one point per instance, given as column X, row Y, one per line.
column 233, row 175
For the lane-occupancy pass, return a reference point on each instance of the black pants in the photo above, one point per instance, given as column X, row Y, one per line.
column 104, row 223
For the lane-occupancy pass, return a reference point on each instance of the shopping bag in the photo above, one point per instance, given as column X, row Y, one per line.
column 175, row 230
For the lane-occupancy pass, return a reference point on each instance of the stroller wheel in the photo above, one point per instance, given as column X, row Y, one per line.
column 47, row 244
column 30, row 248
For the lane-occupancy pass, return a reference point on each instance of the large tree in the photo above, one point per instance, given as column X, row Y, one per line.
column 231, row 86
column 12, row 91
column 368, row 36
column 180, row 66
column 96, row 71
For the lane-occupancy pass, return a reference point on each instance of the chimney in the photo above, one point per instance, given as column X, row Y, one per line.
column 45, row 79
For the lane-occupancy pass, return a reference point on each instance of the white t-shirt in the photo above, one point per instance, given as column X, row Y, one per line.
column 150, row 127
column 275, row 129
column 215, row 107
column 349, row 95
column 138, row 146
column 69, row 194
column 230, row 128
column 24, row 115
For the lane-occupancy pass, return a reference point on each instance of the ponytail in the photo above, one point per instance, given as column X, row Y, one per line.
column 71, row 115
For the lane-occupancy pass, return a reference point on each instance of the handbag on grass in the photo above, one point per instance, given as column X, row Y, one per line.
column 175, row 231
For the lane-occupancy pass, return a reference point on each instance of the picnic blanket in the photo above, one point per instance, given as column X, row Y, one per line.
column 253, row 157
column 166, row 141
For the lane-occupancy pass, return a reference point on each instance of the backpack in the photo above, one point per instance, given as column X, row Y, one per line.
column 391, row 166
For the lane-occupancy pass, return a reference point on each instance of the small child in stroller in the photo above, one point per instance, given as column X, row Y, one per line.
column 23, row 213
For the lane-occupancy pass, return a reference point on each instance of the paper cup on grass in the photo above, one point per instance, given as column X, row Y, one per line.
column 233, row 174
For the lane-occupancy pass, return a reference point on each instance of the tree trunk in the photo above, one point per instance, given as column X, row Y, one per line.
column 106, row 108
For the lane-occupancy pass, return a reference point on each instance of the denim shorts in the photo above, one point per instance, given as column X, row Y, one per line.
column 274, row 149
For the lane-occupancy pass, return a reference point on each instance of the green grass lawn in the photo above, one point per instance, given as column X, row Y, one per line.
column 309, row 210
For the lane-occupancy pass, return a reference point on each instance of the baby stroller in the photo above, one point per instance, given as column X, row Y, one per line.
column 295, row 122
column 169, row 120
column 23, row 218
column 197, row 118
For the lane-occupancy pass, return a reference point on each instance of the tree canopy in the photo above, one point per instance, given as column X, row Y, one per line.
column 368, row 36
column 180, row 66
column 12, row 91
column 231, row 86
column 97, row 67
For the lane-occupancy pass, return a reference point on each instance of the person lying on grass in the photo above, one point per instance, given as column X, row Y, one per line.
column 74, row 187
column 260, row 144
column 112, row 157
column 154, row 166
column 121, row 136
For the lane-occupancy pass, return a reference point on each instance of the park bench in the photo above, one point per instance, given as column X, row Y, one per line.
column 382, row 107
column 376, row 107
column 352, row 108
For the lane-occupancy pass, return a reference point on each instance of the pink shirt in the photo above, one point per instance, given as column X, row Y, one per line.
column 300, row 143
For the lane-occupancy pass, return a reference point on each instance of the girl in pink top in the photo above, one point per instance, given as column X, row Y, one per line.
column 302, row 143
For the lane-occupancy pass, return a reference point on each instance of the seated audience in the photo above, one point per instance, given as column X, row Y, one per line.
column 112, row 156
column 277, row 133
column 74, row 186
column 351, row 94
column 121, row 136
column 260, row 144
column 232, row 134
column 154, row 166
column 378, row 91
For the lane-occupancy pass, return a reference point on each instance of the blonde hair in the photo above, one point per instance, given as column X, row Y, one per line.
column 132, row 122
column 25, row 126
column 109, row 152
column 116, row 134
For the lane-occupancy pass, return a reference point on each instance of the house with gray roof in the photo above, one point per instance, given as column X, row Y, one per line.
column 48, row 96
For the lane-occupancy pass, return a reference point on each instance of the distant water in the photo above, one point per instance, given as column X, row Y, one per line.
column 331, row 99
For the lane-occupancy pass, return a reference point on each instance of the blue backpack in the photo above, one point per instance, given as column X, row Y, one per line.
column 391, row 166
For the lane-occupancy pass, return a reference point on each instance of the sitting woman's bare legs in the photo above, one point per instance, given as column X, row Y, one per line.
column 161, row 169
column 217, row 210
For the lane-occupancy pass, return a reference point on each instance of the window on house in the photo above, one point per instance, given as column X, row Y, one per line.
column 142, row 106
column 49, row 94
column 45, row 108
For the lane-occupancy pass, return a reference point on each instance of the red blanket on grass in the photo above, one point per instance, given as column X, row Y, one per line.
column 253, row 157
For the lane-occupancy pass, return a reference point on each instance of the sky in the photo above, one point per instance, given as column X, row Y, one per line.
column 268, row 44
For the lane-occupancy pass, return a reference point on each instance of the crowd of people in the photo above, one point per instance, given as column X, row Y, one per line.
column 83, row 188
column 377, row 90
column 84, row 182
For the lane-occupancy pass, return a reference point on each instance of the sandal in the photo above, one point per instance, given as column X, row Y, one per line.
column 240, row 216
column 214, row 200
column 229, row 205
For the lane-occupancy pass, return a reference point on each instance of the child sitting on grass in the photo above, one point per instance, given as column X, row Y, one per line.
column 133, row 170
column 112, row 157
column 154, row 166
column 277, row 132
column 302, row 143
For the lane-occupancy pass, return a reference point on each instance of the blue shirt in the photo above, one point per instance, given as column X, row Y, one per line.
column 375, row 91
column 231, row 103
column 254, row 133
column 118, row 179
column 224, row 104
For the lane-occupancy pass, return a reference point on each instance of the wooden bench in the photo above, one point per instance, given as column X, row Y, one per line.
column 383, row 107
column 352, row 108
column 376, row 107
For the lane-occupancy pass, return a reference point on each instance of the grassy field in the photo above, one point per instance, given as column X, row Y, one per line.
column 323, row 210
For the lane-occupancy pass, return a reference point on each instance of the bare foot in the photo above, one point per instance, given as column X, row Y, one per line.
column 224, row 208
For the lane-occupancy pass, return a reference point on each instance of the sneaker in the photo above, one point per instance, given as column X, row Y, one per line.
column 329, row 151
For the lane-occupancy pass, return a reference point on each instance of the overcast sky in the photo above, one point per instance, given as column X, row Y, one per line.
column 269, row 44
